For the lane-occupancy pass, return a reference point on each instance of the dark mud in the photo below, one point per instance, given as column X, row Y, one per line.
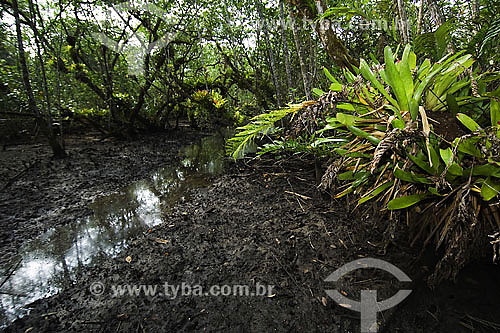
column 58, row 192
column 263, row 224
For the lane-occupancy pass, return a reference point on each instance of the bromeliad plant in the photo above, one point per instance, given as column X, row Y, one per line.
column 207, row 108
column 381, row 128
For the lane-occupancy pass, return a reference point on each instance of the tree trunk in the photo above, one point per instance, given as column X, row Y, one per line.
column 436, row 14
column 476, row 15
column 270, row 52
column 439, row 19
column 42, row 121
column 476, row 6
column 44, row 76
column 420, row 17
column 403, row 23
column 303, row 67
column 334, row 46
column 312, row 61
column 285, row 48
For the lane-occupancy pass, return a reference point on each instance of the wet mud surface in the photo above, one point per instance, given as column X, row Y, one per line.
column 58, row 192
column 258, row 224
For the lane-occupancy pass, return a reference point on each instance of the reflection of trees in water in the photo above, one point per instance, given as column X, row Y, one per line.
column 49, row 261
column 121, row 215
column 206, row 157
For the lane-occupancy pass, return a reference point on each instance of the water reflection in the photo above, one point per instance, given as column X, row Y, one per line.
column 46, row 264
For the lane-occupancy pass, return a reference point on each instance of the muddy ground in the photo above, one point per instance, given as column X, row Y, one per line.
column 261, row 223
column 47, row 192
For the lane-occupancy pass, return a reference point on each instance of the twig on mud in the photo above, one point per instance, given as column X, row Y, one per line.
column 12, row 294
column 299, row 195
column 310, row 242
column 10, row 272
column 48, row 314
column 90, row 322
column 493, row 325
column 343, row 244
column 288, row 273
column 288, row 181
column 432, row 315
column 19, row 175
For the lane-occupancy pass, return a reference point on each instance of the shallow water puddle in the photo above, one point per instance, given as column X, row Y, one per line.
column 46, row 264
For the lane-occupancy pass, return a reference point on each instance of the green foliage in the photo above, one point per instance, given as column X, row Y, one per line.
column 208, row 109
column 258, row 127
column 386, row 149
column 435, row 43
column 492, row 36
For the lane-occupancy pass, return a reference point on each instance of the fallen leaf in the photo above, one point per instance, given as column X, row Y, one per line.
column 128, row 259
column 323, row 301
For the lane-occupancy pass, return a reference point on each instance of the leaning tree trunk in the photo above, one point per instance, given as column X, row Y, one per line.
column 300, row 55
column 285, row 48
column 43, row 122
column 274, row 73
column 334, row 46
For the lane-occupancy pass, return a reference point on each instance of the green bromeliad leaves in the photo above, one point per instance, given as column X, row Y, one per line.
column 468, row 122
column 346, row 119
column 380, row 103
column 405, row 72
column 422, row 164
column 490, row 189
column 495, row 115
column 396, row 80
column 411, row 177
column 405, row 201
column 447, row 156
column 318, row 92
column 486, row 170
column 453, row 168
column 469, row 146
column 436, row 82
column 375, row 192
column 370, row 76
column 360, row 133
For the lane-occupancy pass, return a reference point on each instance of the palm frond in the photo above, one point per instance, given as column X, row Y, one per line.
column 435, row 43
column 258, row 127
column 492, row 34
